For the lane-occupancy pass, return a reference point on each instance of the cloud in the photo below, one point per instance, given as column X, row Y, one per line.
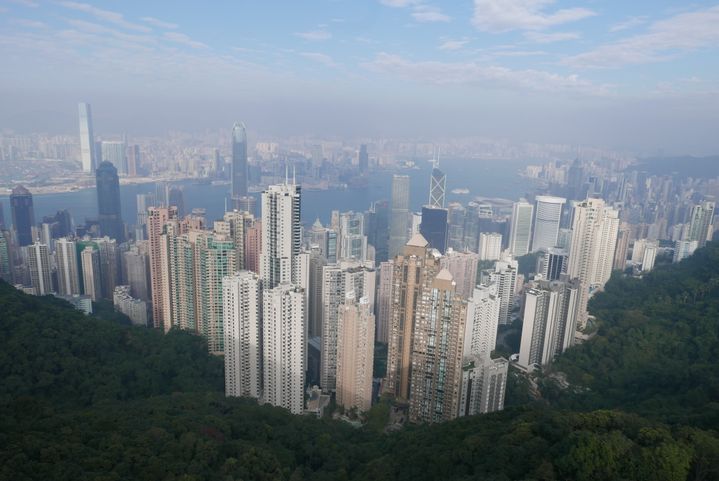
column 664, row 39
column 429, row 14
column 541, row 37
column 453, row 44
column 106, row 15
column 397, row 3
column 505, row 15
column 472, row 73
column 319, row 58
column 24, row 22
column 628, row 23
column 183, row 39
column 159, row 23
column 315, row 35
column 26, row 3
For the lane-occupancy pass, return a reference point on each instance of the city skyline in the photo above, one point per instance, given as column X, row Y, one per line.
column 617, row 61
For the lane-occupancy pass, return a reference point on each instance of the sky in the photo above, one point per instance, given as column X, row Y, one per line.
column 634, row 75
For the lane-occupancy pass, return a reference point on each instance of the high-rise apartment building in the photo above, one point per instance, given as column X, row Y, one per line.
column 157, row 217
column 239, row 161
column 284, row 347
column 23, row 215
column 353, row 241
column 281, row 235
column 91, row 273
column 314, row 308
column 87, row 138
column 551, row 311
column 337, row 281
column 108, row 202
column 490, row 246
column 383, row 304
column 38, row 257
column 137, row 271
column 483, row 385
column 242, row 298
column 701, row 223
column 650, row 256
column 520, row 234
column 399, row 214
column 436, row 353
column 553, row 263
column 135, row 309
column 414, row 271
column 620, row 253
column 68, row 276
column 253, row 246
column 548, row 216
column 505, row 277
column 355, row 353
column 463, row 267
column 594, row 241
column 480, row 335
column 683, row 249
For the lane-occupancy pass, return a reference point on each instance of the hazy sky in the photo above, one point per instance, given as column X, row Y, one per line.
column 640, row 75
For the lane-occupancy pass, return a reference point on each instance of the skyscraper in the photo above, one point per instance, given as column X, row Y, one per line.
column 434, row 227
column 281, row 235
column 399, row 214
column 484, row 382
column 87, row 139
column 239, row 161
column 414, row 270
column 683, row 249
column 554, row 263
column 437, row 188
column 284, row 347
column 115, row 152
column 520, row 234
column 591, row 255
column 383, row 304
column 242, row 298
column 253, row 246
column 548, row 216
column 480, row 334
column 490, row 246
column 551, row 311
column 176, row 197
column 378, row 229
column 353, row 242
column 38, row 256
column 91, row 275
column 463, row 267
column 137, row 271
column 68, row 276
column 701, row 224
column 157, row 217
column 505, row 277
column 355, row 353
column 437, row 352
column 337, row 281
column 23, row 215
column 363, row 159
column 108, row 202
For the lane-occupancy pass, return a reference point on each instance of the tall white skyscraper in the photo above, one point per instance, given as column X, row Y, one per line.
column 353, row 242
column 591, row 254
column 463, row 267
column 281, row 235
column 650, row 256
column 115, row 152
column 38, row 256
column 547, row 218
column 550, row 320
column 242, row 298
column 68, row 277
column 91, row 275
column 480, row 334
column 284, row 347
column 701, row 224
column 490, row 246
column 505, row 277
column 399, row 215
column 87, row 139
column 437, row 187
column 520, row 233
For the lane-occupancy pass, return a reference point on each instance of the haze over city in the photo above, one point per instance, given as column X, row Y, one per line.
column 634, row 76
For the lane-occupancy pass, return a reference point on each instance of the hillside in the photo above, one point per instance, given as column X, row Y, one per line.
column 82, row 398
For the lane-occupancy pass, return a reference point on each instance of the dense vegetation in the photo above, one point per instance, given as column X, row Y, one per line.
column 83, row 398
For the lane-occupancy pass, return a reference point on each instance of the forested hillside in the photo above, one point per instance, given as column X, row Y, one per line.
column 83, row 398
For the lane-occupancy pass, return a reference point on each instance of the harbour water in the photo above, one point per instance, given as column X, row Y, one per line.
column 481, row 177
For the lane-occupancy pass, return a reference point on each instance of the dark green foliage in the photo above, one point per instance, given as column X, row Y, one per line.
column 82, row 398
column 657, row 348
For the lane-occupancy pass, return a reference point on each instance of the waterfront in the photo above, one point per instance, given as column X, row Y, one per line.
column 483, row 178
